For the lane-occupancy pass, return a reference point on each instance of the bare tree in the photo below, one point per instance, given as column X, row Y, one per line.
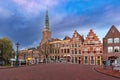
column 45, row 50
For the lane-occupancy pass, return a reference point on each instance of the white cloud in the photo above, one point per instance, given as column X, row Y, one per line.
column 34, row 44
column 34, row 6
column 5, row 13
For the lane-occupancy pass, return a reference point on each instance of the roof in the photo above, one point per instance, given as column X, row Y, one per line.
column 67, row 38
column 113, row 31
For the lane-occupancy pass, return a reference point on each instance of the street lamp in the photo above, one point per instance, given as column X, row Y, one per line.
column 17, row 55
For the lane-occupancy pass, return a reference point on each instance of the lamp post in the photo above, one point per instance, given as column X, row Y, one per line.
column 17, row 55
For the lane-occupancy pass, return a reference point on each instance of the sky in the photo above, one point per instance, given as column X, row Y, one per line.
column 23, row 20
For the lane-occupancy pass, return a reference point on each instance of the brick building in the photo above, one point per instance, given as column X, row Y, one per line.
column 74, row 49
column 30, row 56
column 92, row 49
column 111, row 44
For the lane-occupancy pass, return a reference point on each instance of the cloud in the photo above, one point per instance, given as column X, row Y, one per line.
column 32, row 7
column 23, row 20
column 5, row 13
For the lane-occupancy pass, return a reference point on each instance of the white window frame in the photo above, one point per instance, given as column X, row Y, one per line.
column 116, row 48
column 116, row 40
column 110, row 40
column 97, row 50
column 110, row 49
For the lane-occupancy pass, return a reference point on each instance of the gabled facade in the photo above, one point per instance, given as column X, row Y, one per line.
column 111, row 44
column 92, row 49
column 75, row 48
column 60, row 49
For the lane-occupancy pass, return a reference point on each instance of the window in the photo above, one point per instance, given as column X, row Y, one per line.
column 61, row 50
column 116, row 40
column 72, row 51
column 68, row 51
column 113, row 31
column 85, row 50
column 64, row 50
column 79, row 45
column 97, row 50
column 96, row 42
column 110, row 40
column 85, row 59
column 72, row 45
column 55, row 51
column 110, row 49
column 75, row 45
column 58, row 45
column 75, row 51
column 116, row 49
column 79, row 51
column 92, row 60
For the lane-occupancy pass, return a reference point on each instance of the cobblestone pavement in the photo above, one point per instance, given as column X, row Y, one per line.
column 53, row 72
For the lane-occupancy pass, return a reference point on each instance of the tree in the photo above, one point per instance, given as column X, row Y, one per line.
column 6, row 48
column 45, row 49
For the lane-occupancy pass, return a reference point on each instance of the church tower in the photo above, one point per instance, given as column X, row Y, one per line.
column 46, row 33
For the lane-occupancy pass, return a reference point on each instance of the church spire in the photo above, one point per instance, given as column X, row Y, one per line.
column 46, row 24
column 46, row 33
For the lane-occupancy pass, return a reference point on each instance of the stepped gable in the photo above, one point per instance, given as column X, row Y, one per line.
column 92, row 37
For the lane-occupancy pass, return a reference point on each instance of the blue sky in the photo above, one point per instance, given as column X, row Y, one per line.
column 23, row 20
